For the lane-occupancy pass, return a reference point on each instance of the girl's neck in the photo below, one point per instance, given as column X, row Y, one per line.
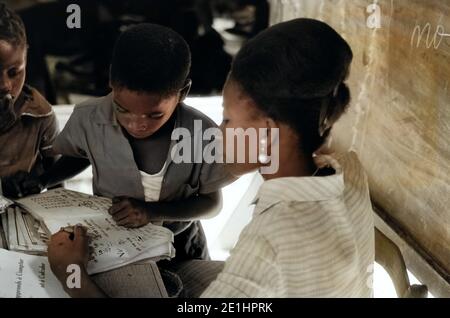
column 300, row 167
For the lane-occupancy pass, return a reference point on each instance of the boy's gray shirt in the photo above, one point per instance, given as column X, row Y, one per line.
column 93, row 132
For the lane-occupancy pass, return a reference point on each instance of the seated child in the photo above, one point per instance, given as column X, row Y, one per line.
column 28, row 126
column 127, row 138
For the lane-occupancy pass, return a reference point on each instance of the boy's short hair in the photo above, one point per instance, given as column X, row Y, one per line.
column 150, row 58
column 12, row 29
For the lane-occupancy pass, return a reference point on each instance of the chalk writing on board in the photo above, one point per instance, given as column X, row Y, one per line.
column 428, row 36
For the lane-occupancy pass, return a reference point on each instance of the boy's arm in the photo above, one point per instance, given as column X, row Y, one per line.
column 23, row 184
column 68, row 143
column 65, row 168
column 130, row 212
column 202, row 206
column 71, row 145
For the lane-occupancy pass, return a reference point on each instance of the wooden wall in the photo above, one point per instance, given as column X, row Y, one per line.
column 399, row 121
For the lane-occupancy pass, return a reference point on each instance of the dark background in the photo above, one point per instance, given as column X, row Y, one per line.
column 63, row 61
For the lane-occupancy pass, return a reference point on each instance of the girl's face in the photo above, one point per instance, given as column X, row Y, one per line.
column 12, row 68
column 240, row 112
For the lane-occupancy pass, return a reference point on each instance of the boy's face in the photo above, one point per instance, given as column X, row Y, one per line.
column 12, row 68
column 12, row 78
column 142, row 114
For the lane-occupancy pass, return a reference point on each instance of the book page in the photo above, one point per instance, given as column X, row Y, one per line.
column 113, row 246
column 4, row 203
column 21, row 232
column 65, row 204
column 27, row 276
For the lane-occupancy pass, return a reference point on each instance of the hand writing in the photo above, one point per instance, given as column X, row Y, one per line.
column 66, row 248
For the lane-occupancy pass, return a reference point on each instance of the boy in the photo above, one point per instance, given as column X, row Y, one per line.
column 126, row 137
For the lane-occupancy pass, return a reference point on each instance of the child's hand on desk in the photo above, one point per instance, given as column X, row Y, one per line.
column 67, row 248
column 128, row 212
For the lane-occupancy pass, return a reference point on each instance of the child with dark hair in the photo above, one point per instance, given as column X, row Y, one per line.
column 28, row 125
column 150, row 58
column 312, row 231
column 127, row 138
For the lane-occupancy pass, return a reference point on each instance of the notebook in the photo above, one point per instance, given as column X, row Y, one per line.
column 113, row 246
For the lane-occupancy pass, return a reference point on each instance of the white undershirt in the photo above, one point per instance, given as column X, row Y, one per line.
column 152, row 184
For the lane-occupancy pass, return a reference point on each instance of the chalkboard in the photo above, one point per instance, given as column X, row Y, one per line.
column 399, row 121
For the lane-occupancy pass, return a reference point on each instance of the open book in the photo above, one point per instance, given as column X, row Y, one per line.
column 113, row 246
column 4, row 203
column 23, row 233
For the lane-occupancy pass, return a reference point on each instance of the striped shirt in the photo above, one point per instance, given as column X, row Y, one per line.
column 309, row 237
